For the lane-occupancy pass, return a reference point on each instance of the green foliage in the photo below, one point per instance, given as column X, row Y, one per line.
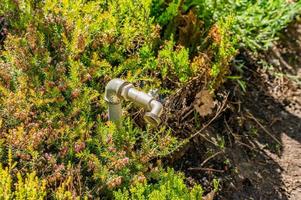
column 53, row 73
column 256, row 23
column 169, row 185
column 174, row 62
column 233, row 24
column 28, row 188
column 19, row 12
column 224, row 46
column 215, row 184
column 260, row 22
column 171, row 11
column 5, row 184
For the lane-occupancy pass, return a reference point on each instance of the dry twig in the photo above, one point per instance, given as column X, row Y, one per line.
column 205, row 169
column 250, row 116
column 209, row 158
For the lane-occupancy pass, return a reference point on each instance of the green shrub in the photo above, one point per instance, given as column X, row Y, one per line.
column 256, row 23
column 53, row 74
column 29, row 187
column 173, row 62
column 169, row 185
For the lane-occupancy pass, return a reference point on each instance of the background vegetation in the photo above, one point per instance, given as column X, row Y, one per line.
column 55, row 60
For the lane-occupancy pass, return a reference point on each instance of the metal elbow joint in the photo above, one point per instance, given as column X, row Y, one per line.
column 118, row 89
column 153, row 116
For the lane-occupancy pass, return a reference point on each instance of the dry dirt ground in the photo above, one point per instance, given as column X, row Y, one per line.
column 286, row 89
column 273, row 108
column 261, row 130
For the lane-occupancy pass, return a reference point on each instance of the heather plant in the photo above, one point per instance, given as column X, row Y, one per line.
column 57, row 56
column 169, row 186
column 28, row 187
column 231, row 24
column 52, row 110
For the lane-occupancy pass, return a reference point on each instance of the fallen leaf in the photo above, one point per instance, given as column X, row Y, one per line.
column 204, row 103
column 209, row 196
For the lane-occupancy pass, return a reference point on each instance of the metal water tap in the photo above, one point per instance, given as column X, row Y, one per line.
column 117, row 89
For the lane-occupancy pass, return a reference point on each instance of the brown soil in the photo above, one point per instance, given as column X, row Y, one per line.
column 287, row 90
column 261, row 130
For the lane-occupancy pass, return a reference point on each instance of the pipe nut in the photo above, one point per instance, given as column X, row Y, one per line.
column 125, row 91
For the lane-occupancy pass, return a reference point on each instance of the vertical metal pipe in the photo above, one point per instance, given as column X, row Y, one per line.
column 115, row 113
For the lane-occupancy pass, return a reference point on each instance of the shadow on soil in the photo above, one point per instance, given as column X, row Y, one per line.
column 248, row 133
column 265, row 119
